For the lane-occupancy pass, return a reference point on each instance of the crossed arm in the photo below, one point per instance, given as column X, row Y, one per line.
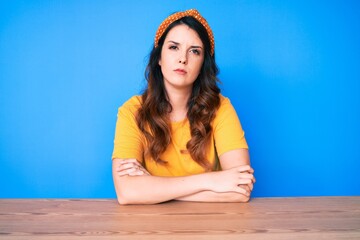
column 134, row 185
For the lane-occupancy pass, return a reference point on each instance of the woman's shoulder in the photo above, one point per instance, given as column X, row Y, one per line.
column 132, row 104
column 224, row 109
column 133, row 101
column 224, row 101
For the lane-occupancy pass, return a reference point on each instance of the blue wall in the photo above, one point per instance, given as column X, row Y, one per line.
column 292, row 71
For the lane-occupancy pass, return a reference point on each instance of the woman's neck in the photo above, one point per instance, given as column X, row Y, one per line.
column 178, row 101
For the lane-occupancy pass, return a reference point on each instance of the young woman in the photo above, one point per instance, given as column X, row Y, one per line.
column 181, row 139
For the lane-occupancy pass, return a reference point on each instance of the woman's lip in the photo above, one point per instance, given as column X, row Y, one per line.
column 180, row 71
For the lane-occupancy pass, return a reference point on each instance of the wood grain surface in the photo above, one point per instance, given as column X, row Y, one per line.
column 261, row 218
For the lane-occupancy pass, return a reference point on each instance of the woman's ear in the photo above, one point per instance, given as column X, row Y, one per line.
column 159, row 62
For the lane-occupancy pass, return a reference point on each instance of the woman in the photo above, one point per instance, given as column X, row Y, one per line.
column 181, row 139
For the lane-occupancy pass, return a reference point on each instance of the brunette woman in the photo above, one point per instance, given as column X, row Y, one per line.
column 181, row 139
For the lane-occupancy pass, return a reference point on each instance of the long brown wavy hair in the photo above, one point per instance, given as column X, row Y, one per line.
column 153, row 115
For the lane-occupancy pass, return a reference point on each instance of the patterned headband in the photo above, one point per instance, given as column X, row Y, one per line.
column 188, row 13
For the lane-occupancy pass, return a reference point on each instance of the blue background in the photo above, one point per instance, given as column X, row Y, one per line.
column 290, row 68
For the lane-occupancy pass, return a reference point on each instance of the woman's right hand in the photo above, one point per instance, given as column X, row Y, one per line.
column 231, row 180
column 130, row 167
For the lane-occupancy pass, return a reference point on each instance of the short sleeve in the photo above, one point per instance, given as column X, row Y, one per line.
column 128, row 142
column 228, row 132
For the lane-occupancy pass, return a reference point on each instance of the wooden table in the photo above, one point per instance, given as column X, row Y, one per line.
column 261, row 218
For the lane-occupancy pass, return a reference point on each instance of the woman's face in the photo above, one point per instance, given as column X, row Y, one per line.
column 182, row 56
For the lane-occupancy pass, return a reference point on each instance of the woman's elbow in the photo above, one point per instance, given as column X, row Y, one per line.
column 125, row 191
column 123, row 201
column 132, row 197
column 127, row 198
column 245, row 199
column 241, row 198
column 127, row 201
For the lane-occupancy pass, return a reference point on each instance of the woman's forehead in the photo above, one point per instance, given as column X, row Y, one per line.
column 183, row 34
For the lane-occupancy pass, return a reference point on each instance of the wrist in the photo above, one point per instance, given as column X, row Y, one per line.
column 208, row 181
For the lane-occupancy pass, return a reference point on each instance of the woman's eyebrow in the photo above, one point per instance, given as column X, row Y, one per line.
column 176, row 43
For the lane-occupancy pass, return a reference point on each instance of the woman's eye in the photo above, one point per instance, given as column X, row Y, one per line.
column 173, row 47
column 195, row 51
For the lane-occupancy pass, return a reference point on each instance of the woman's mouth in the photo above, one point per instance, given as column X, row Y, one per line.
column 180, row 71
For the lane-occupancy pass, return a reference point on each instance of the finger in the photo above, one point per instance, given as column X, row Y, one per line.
column 246, row 187
column 127, row 161
column 145, row 171
column 140, row 167
column 250, row 186
column 244, row 181
column 137, row 163
column 129, row 165
column 132, row 172
column 246, row 175
column 251, row 170
column 130, row 161
column 245, row 168
column 242, row 190
column 125, row 166
column 137, row 173
column 133, row 163
column 123, row 173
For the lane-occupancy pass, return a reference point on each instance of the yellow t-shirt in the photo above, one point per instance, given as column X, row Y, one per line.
column 130, row 143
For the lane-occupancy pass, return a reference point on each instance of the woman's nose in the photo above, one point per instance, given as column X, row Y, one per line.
column 183, row 58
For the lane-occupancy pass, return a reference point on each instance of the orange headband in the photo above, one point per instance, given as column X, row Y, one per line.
column 188, row 13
